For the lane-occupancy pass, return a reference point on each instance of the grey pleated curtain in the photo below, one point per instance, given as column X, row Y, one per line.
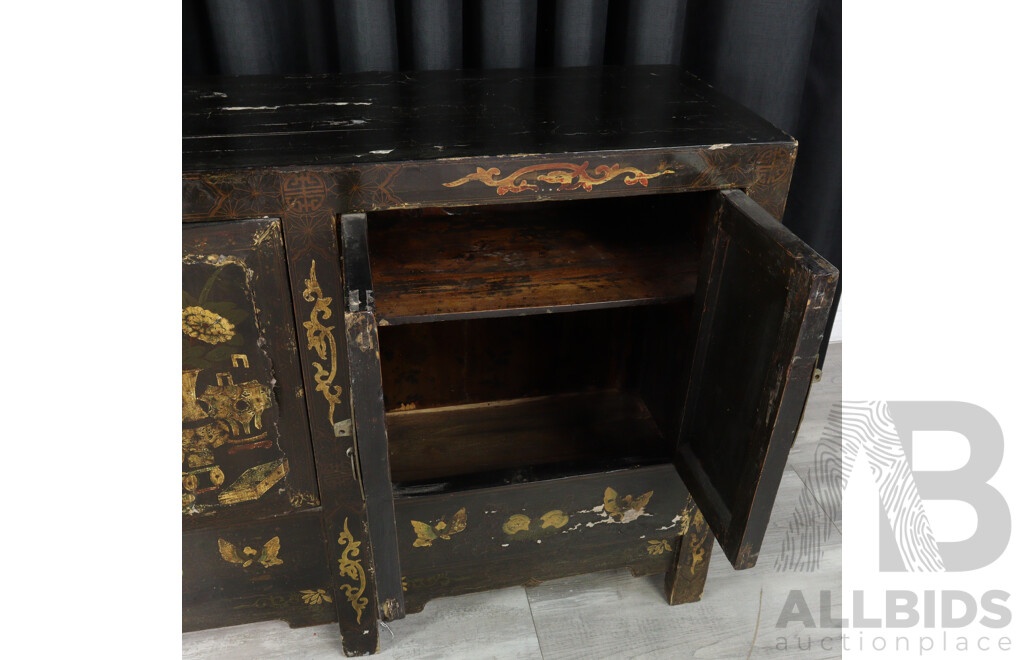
column 780, row 58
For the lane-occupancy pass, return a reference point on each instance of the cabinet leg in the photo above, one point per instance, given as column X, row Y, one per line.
column 360, row 639
column 684, row 582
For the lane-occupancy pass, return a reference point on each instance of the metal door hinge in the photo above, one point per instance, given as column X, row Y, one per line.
column 360, row 301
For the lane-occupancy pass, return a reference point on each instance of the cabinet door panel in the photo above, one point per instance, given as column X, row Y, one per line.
column 762, row 302
column 371, row 438
column 245, row 436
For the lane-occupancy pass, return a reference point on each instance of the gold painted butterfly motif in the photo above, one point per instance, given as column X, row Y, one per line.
column 625, row 509
column 267, row 556
column 442, row 529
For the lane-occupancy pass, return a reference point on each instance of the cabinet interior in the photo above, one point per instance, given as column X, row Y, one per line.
column 531, row 341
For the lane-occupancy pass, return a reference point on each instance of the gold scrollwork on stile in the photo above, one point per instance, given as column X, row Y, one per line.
column 320, row 338
column 352, row 568
column 700, row 535
column 568, row 176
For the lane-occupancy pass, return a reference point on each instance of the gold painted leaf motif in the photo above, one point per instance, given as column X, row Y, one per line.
column 658, row 547
column 315, row 597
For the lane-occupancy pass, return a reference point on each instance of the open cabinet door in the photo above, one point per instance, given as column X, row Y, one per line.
column 761, row 305
column 371, row 438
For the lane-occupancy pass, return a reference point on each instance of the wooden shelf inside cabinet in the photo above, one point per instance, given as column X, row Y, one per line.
column 572, row 431
column 437, row 264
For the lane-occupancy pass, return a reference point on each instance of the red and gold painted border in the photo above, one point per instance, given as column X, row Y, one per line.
column 305, row 199
column 568, row 176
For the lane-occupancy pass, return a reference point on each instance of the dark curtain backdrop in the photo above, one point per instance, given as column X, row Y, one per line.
column 780, row 58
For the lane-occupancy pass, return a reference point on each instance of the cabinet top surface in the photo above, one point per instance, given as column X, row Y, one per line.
column 322, row 120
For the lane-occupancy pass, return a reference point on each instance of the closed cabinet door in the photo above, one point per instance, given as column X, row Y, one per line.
column 245, row 447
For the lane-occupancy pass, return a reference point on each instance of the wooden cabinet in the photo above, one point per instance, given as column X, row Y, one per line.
column 481, row 370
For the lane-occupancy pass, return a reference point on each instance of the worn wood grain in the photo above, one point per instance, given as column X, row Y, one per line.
column 441, row 443
column 377, row 140
column 427, row 365
column 442, row 264
column 246, row 122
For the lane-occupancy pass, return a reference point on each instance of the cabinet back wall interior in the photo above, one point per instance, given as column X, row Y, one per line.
column 443, row 334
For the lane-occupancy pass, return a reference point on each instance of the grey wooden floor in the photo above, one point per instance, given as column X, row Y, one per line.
column 613, row 615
